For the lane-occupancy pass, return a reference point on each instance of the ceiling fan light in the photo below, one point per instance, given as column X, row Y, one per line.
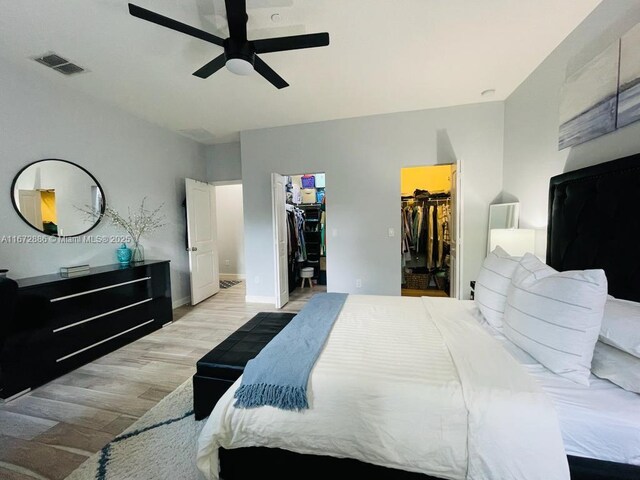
column 239, row 66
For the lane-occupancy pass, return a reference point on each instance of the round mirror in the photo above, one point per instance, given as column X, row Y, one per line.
column 58, row 198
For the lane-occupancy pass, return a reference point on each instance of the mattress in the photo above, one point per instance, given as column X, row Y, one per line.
column 601, row 421
column 368, row 329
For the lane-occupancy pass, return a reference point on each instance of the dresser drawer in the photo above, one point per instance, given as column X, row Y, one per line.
column 66, row 287
column 66, row 312
column 75, row 359
column 78, row 337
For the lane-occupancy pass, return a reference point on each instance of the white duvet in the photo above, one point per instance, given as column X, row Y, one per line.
column 413, row 384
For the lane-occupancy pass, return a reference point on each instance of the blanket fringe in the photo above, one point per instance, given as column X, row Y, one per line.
column 285, row 397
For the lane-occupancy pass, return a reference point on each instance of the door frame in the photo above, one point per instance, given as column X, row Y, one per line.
column 459, row 229
column 460, row 220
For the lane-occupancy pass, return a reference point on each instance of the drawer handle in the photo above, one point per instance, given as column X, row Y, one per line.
column 101, row 315
column 103, row 341
column 59, row 299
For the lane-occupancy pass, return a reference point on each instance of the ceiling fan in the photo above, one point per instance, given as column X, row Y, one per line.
column 240, row 54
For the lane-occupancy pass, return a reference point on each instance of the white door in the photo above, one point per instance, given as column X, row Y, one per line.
column 455, row 274
column 280, row 241
column 31, row 207
column 202, row 240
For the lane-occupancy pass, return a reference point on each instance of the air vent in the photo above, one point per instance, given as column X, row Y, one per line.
column 69, row 68
column 52, row 60
column 58, row 63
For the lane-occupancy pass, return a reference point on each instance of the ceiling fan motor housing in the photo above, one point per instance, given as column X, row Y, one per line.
column 239, row 50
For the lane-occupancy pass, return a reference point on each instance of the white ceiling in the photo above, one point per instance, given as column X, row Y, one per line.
column 385, row 56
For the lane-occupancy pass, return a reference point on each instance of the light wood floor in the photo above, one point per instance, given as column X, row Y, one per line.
column 49, row 432
column 432, row 292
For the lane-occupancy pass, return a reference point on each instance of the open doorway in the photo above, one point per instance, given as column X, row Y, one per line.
column 299, row 207
column 427, row 221
column 230, row 221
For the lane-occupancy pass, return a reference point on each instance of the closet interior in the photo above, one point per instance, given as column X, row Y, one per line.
column 426, row 230
column 306, row 227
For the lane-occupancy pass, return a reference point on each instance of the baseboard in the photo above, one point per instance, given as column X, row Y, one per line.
column 232, row 276
column 180, row 302
column 256, row 299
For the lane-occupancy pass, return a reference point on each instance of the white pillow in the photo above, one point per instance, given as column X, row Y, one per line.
column 621, row 325
column 556, row 316
column 616, row 366
column 493, row 283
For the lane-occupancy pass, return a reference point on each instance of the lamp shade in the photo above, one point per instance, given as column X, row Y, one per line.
column 515, row 241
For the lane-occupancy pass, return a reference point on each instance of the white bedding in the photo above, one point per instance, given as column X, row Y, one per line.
column 407, row 383
column 601, row 421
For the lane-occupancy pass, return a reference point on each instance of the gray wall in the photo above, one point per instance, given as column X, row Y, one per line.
column 531, row 154
column 224, row 163
column 362, row 158
column 130, row 158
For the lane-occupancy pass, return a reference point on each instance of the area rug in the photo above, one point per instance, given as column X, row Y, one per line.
column 161, row 445
column 229, row 283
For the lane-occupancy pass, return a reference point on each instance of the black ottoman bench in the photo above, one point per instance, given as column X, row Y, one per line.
column 223, row 365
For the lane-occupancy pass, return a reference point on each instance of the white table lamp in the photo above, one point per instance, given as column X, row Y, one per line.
column 515, row 241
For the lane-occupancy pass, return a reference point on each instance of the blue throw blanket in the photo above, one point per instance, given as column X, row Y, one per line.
column 279, row 374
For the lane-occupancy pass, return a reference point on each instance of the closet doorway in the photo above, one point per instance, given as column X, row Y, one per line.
column 299, row 225
column 429, row 222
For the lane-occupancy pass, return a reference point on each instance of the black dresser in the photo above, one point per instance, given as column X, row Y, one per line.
column 62, row 323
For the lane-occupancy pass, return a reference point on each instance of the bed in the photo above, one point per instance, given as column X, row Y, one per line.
column 598, row 426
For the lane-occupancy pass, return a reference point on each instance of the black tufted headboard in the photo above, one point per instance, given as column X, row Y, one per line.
column 594, row 222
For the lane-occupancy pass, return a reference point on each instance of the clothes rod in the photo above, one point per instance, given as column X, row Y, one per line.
column 424, row 200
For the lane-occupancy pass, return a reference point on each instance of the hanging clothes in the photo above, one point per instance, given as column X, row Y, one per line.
column 296, row 249
column 425, row 232
column 442, row 222
column 430, row 264
column 435, row 240
column 323, row 221
column 301, row 254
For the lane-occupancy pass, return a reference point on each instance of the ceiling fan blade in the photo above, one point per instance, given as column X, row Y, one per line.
column 237, row 19
column 294, row 42
column 267, row 72
column 212, row 67
column 167, row 22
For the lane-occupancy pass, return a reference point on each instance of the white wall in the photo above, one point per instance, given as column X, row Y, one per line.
column 531, row 155
column 130, row 158
column 362, row 158
column 224, row 162
column 230, row 221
